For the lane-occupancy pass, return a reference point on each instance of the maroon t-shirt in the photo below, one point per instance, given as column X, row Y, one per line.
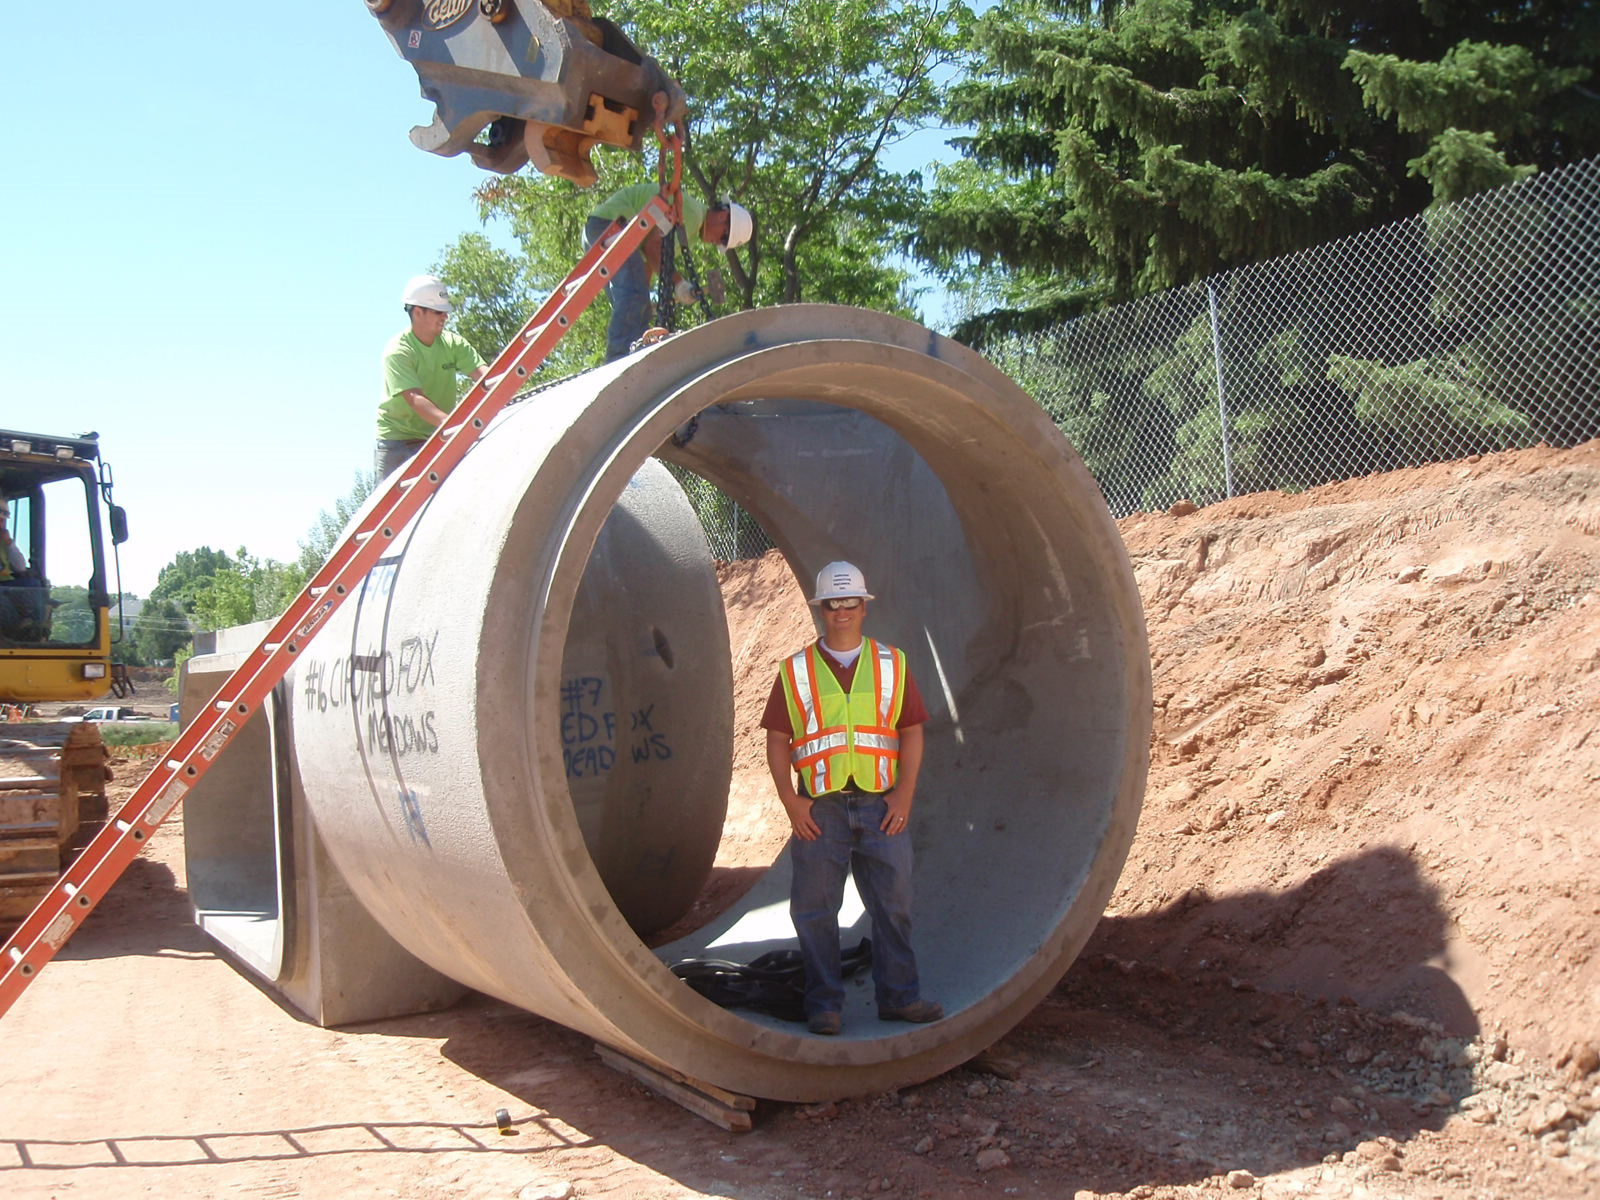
column 776, row 716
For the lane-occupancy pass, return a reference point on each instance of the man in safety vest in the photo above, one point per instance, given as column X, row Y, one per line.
column 21, row 597
column 846, row 717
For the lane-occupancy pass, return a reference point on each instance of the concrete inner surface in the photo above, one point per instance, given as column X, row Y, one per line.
column 848, row 435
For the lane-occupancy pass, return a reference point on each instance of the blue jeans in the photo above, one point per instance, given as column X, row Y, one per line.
column 391, row 453
column 629, row 290
column 852, row 842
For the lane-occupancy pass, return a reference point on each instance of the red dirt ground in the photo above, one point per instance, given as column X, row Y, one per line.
column 1351, row 954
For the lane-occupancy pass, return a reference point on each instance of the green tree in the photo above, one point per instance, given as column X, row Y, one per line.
column 1123, row 148
column 323, row 537
column 792, row 105
column 186, row 575
column 248, row 589
column 497, row 290
column 159, row 631
column 217, row 591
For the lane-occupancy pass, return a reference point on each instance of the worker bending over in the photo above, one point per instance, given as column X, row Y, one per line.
column 724, row 224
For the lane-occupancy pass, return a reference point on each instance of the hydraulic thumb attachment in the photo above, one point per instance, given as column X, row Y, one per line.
column 514, row 83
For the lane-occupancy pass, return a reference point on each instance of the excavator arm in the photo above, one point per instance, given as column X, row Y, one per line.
column 518, row 81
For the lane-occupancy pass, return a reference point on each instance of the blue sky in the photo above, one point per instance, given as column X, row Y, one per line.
column 207, row 222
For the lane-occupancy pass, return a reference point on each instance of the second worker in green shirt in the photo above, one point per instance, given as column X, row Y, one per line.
column 724, row 224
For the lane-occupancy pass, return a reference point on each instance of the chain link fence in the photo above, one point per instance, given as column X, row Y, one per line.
column 1470, row 328
column 731, row 532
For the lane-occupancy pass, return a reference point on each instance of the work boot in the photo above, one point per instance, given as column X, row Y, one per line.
column 919, row 1012
column 825, row 1023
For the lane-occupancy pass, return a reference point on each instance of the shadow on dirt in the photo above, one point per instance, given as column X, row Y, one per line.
column 1172, row 1053
column 1164, row 1058
column 146, row 912
column 1368, row 929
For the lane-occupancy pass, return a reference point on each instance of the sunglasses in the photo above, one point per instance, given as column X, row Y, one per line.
column 845, row 602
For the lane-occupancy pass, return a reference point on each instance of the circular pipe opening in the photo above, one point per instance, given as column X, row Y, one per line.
column 1000, row 574
column 849, row 435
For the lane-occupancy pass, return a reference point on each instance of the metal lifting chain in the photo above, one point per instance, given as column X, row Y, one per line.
column 666, row 301
column 691, row 272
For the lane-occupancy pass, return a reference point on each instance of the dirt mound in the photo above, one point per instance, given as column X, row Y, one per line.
column 1374, row 736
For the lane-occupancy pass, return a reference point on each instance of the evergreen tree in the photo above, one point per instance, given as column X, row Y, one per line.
column 1123, row 148
column 323, row 537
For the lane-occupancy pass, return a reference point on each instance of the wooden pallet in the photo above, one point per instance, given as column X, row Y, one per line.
column 729, row 1110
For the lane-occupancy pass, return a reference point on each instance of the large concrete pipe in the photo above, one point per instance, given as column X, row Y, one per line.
column 650, row 806
column 413, row 713
column 997, row 569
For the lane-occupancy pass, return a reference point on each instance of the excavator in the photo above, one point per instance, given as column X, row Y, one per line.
column 55, row 645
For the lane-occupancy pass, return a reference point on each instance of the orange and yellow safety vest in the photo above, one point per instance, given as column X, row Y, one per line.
column 841, row 739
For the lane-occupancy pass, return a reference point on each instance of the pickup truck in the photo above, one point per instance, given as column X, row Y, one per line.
column 111, row 712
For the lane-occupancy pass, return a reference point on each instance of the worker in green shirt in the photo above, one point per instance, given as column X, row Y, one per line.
column 724, row 224
column 420, row 366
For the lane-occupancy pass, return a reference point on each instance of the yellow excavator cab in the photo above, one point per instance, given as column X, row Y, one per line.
column 55, row 626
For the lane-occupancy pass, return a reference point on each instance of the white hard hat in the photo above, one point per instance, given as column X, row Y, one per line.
column 426, row 291
column 740, row 225
column 838, row 580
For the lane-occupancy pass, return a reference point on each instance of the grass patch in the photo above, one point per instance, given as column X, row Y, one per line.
column 137, row 733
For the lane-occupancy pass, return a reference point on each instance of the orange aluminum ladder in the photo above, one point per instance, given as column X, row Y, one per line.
column 103, row 860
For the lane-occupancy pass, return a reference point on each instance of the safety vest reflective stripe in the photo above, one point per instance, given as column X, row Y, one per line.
column 800, row 688
column 886, row 680
column 877, row 741
column 807, row 752
column 888, row 684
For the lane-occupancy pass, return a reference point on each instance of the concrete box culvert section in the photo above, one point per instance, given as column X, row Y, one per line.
column 848, row 435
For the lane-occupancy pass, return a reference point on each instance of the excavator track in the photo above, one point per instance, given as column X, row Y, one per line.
column 53, row 779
